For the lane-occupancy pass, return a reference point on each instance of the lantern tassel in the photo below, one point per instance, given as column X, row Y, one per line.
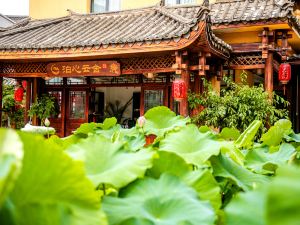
column 284, row 89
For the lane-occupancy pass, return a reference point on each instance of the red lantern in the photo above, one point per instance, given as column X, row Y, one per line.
column 284, row 75
column 19, row 94
column 24, row 84
column 179, row 89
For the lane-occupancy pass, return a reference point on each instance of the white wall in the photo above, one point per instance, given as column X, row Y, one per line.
column 123, row 94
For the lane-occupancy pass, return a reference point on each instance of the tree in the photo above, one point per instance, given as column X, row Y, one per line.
column 237, row 106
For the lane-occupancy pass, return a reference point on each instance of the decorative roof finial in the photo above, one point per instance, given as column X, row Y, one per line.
column 206, row 3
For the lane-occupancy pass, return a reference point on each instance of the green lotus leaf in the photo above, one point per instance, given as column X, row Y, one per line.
column 169, row 162
column 166, row 201
column 262, row 161
column 230, row 133
column 51, row 189
column 161, row 119
column 11, row 155
column 193, row 146
column 246, row 138
column 65, row 142
column 283, row 203
column 277, row 132
column 201, row 180
column 108, row 162
column 90, row 128
column 247, row 208
column 109, row 123
column 225, row 167
column 206, row 186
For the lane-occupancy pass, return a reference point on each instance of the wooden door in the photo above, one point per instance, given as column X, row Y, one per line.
column 76, row 109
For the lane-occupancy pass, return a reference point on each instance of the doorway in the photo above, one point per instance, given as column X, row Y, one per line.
column 73, row 110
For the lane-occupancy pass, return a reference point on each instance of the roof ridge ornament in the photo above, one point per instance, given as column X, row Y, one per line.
column 174, row 16
column 205, row 3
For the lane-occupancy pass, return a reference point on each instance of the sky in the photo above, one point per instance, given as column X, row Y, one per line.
column 14, row 7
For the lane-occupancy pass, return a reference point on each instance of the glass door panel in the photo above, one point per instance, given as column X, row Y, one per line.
column 77, row 102
column 153, row 98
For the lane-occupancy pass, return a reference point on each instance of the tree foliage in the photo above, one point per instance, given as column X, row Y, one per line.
column 44, row 107
column 12, row 112
column 237, row 106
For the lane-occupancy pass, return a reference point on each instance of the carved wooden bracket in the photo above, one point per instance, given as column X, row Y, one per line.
column 284, row 48
column 202, row 63
column 267, row 42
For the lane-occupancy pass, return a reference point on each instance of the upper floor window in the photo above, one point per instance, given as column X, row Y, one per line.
column 105, row 5
column 174, row 2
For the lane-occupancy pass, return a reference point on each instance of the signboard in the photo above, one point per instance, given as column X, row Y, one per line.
column 84, row 68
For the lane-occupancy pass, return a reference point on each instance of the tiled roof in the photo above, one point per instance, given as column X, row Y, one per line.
column 5, row 21
column 147, row 25
column 16, row 18
column 247, row 11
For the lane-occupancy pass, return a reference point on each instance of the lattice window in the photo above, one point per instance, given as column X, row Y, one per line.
column 128, row 79
column 148, row 63
column 245, row 60
column 8, row 68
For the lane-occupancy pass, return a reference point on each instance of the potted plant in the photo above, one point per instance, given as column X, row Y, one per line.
column 43, row 108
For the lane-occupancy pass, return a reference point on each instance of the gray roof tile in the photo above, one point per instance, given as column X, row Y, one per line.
column 247, row 11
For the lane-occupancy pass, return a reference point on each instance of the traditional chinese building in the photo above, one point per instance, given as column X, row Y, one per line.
column 90, row 60
column 263, row 34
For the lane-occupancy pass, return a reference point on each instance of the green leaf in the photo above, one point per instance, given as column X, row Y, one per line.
column 168, row 162
column 52, row 189
column 194, row 147
column 276, row 133
column 109, row 163
column 86, row 128
column 247, row 208
column 260, row 160
column 11, row 155
column 166, row 201
column 206, row 186
column 225, row 167
column 90, row 128
column 109, row 123
column 161, row 119
column 283, row 203
column 230, row 133
column 246, row 138
column 201, row 180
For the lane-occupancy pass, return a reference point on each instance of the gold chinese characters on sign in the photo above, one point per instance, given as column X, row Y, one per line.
column 84, row 68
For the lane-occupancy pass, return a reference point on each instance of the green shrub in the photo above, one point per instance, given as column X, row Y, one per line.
column 237, row 106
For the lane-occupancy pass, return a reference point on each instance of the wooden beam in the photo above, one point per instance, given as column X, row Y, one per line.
column 1, row 95
column 246, row 67
column 245, row 47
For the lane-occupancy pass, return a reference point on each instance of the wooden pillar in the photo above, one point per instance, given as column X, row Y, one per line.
column 267, row 46
column 28, row 100
column 183, row 70
column 1, row 94
column 34, row 98
column 269, row 74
